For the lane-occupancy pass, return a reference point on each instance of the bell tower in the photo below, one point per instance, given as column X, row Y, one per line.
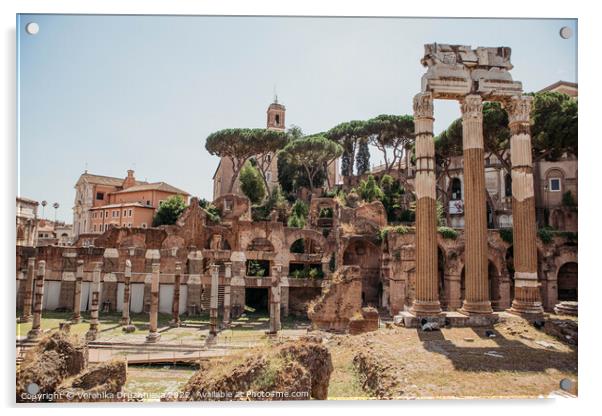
column 276, row 113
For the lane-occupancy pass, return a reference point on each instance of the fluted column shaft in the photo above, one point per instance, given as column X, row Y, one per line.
column 527, row 298
column 426, row 301
column 29, row 282
column 153, row 335
column 36, row 326
column 77, row 292
column 475, row 208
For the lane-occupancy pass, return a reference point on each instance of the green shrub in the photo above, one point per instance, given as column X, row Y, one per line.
column 251, row 183
column 568, row 200
column 506, row 235
column 546, row 235
column 326, row 213
column 447, row 232
column 369, row 190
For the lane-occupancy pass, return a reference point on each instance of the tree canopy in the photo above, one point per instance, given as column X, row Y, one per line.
column 238, row 145
column 347, row 135
column 391, row 134
column 311, row 153
column 251, row 183
column 169, row 211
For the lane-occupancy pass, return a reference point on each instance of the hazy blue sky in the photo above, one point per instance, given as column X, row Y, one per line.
column 143, row 92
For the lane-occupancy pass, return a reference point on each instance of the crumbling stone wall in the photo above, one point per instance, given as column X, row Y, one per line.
column 339, row 302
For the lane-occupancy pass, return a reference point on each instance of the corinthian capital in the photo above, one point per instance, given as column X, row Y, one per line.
column 472, row 107
column 519, row 109
column 423, row 105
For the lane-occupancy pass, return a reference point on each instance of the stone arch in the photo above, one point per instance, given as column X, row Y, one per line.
column 367, row 255
column 315, row 236
column 260, row 244
column 566, row 281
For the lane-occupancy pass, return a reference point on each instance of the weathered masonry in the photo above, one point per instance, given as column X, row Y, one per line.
column 244, row 256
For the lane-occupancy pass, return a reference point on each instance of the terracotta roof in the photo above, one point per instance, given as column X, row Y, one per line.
column 124, row 204
column 559, row 84
column 105, row 180
column 156, row 186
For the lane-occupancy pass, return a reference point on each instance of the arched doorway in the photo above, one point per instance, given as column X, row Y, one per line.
column 494, row 286
column 441, row 277
column 567, row 282
column 366, row 255
column 510, row 268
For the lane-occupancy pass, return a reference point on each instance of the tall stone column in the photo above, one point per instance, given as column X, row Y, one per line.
column 29, row 282
column 127, row 277
column 426, row 302
column 36, row 326
column 93, row 331
column 214, row 299
column 153, row 335
column 476, row 299
column 527, row 297
column 175, row 302
column 77, row 292
column 275, row 325
column 227, row 289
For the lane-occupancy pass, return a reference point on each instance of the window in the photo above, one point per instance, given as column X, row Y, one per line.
column 106, row 214
column 94, row 228
column 129, row 213
column 554, row 184
column 148, row 202
column 115, row 213
column 130, row 225
column 456, row 189
column 508, row 185
column 277, row 119
column 100, row 196
column 124, row 211
column 143, row 225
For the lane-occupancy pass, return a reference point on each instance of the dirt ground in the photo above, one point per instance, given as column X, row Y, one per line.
column 518, row 362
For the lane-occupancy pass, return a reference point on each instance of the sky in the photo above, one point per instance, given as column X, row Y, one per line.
column 111, row 93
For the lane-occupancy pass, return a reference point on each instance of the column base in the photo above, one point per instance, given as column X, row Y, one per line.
column 76, row 319
column 91, row 335
column 426, row 308
column 528, row 310
column 174, row 323
column 124, row 321
column 34, row 334
column 153, row 337
column 25, row 318
column 476, row 308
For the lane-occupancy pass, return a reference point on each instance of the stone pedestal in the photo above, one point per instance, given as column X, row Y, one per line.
column 213, row 299
column 77, row 292
column 36, row 326
column 175, row 302
column 476, row 300
column 426, row 302
column 153, row 335
column 275, row 324
column 29, row 283
column 527, row 297
column 92, row 333
column 127, row 298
